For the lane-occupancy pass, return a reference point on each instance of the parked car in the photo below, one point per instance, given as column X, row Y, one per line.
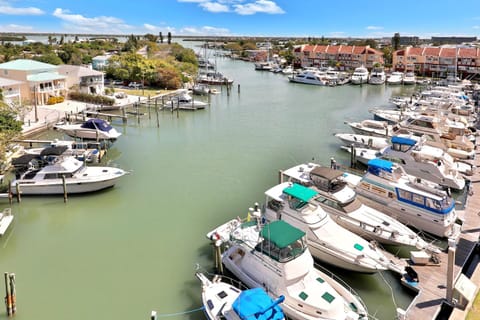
column 134, row 84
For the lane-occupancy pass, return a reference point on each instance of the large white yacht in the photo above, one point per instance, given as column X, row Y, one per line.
column 337, row 198
column 360, row 75
column 309, row 77
column 395, row 77
column 409, row 78
column 377, row 76
column 275, row 256
column 63, row 174
column 417, row 203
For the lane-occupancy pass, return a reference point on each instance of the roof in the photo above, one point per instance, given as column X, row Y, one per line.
column 78, row 71
column 431, row 51
column 27, row 65
column 448, row 52
column 281, row 233
column 44, row 76
column 300, row 192
column 4, row 82
column 326, row 172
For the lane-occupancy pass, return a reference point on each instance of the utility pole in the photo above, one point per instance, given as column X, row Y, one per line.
column 35, row 101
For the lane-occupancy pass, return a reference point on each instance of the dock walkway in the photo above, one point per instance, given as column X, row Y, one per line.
column 432, row 285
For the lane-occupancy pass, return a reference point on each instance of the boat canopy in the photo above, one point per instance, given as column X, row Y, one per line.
column 256, row 304
column 403, row 140
column 97, row 124
column 300, row 192
column 377, row 165
column 281, row 233
column 326, row 173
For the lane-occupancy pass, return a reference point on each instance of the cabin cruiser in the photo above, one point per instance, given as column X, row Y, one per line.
column 81, row 150
column 61, row 174
column 409, row 78
column 288, row 70
column 214, row 78
column 309, row 77
column 415, row 202
column 371, row 127
column 327, row 240
column 275, row 256
column 264, row 66
column 360, row 75
column 222, row 301
column 361, row 140
column 395, row 77
column 377, row 76
column 92, row 129
column 340, row 201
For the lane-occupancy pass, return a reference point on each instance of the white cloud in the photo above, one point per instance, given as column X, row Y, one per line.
column 374, row 28
column 476, row 27
column 187, row 31
column 214, row 7
column 16, row 28
column 259, row 6
column 29, row 11
column 96, row 24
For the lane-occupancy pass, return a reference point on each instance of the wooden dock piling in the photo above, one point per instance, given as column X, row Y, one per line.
column 8, row 297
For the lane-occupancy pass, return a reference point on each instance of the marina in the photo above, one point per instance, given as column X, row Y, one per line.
column 191, row 172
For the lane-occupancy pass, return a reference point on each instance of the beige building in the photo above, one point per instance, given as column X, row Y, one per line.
column 438, row 61
column 341, row 56
column 82, row 79
column 35, row 81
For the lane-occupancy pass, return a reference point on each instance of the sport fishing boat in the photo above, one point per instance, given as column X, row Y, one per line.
column 223, row 301
column 415, row 202
column 327, row 240
column 340, row 201
column 62, row 174
column 275, row 256
column 92, row 129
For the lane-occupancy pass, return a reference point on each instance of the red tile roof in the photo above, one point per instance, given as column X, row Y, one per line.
column 345, row 49
column 320, row 49
column 415, row 51
column 448, row 52
column 358, row 50
column 468, row 52
column 431, row 51
column 333, row 49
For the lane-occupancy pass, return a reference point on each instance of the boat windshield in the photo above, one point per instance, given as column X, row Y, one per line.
column 284, row 254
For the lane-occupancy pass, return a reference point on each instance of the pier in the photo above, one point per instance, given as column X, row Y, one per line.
column 435, row 288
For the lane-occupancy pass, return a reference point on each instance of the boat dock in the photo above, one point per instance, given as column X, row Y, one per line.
column 435, row 287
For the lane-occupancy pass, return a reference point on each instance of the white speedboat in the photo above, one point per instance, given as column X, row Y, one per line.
column 83, row 151
column 337, row 198
column 371, row 128
column 184, row 101
column 288, row 70
column 63, row 174
column 377, row 76
column 275, row 256
column 6, row 218
column 309, row 77
column 222, row 301
column 417, row 203
column 92, row 129
column 327, row 240
column 409, row 78
column 360, row 75
column 361, row 140
column 362, row 154
column 395, row 77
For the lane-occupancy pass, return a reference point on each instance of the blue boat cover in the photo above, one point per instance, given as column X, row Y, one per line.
column 96, row 123
column 256, row 304
column 403, row 140
column 376, row 165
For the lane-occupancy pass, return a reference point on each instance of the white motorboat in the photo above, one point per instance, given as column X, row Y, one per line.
column 83, row 151
column 63, row 174
column 417, row 203
column 395, row 77
column 361, row 140
column 360, row 75
column 214, row 78
column 263, row 66
column 223, row 301
column 424, row 162
column 327, row 240
column 309, row 77
column 409, row 78
column 184, row 101
column 371, row 128
column 92, row 129
column 363, row 154
column 337, row 198
column 275, row 256
column 6, row 218
column 377, row 76
column 201, row 89
column 288, row 70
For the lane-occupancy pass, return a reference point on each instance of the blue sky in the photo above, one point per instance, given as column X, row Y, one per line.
column 315, row 18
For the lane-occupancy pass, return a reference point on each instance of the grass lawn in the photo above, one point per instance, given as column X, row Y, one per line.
column 142, row 92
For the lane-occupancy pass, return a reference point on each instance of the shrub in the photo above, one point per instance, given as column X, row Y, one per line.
column 54, row 100
column 90, row 98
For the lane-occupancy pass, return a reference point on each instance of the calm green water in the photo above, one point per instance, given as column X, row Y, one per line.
column 121, row 253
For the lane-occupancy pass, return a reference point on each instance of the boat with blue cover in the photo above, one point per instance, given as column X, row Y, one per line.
column 415, row 202
column 91, row 129
column 275, row 256
column 223, row 301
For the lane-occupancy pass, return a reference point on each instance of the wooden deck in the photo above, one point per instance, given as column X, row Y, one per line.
column 432, row 285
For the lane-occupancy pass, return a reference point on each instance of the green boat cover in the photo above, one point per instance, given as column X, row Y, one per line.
column 281, row 233
column 300, row 192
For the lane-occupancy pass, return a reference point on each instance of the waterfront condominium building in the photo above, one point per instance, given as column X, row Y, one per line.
column 438, row 61
column 341, row 56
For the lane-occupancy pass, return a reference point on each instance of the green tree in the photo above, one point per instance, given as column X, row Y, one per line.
column 50, row 58
column 10, row 128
